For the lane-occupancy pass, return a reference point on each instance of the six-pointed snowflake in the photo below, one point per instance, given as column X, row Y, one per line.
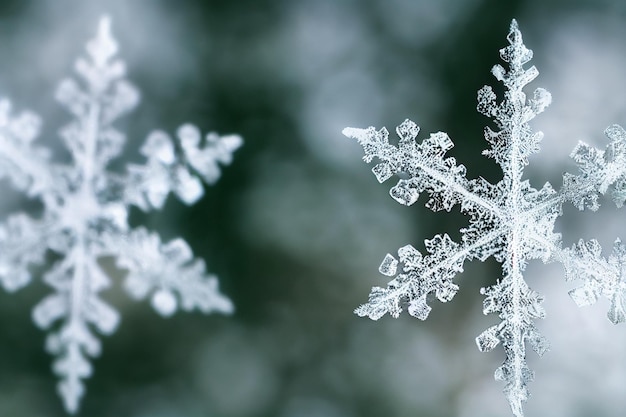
column 86, row 208
column 509, row 220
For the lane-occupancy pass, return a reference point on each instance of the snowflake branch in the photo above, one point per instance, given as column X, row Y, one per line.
column 425, row 165
column 23, row 163
column 23, row 242
column 77, row 280
column 422, row 276
column 167, row 273
column 170, row 165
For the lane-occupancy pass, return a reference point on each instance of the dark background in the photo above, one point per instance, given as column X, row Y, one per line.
column 297, row 225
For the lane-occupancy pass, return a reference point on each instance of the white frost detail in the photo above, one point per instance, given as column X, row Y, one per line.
column 603, row 172
column 86, row 209
column 509, row 220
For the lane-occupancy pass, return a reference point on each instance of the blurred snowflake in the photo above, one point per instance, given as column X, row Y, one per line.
column 85, row 214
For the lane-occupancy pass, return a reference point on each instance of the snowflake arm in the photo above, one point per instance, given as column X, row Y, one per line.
column 107, row 95
column 25, row 164
column 424, row 162
column 421, row 276
column 517, row 306
column 602, row 172
column 78, row 273
column 22, row 243
column 170, row 166
column 167, row 273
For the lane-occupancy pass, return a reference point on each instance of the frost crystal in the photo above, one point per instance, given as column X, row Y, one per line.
column 86, row 208
column 603, row 172
column 511, row 221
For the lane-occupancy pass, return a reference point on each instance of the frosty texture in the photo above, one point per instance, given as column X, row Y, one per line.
column 86, row 209
column 603, row 172
column 509, row 220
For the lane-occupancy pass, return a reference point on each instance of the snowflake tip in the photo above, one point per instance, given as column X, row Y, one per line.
column 538, row 343
column 103, row 46
column 365, row 310
column 541, row 100
column 225, row 306
column 164, row 302
column 617, row 311
column 583, row 296
column 104, row 28
column 71, row 402
column 379, row 305
column 353, row 132
column 419, row 309
column 389, row 266
column 159, row 145
column 404, row 193
column 408, row 130
column 615, row 133
column 488, row 339
column 514, row 32
column 104, row 25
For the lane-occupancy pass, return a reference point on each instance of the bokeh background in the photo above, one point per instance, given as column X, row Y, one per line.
column 297, row 226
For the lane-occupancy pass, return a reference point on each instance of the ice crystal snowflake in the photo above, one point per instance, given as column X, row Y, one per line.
column 510, row 221
column 86, row 209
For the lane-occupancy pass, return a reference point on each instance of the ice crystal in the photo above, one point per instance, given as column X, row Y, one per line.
column 85, row 215
column 603, row 172
column 509, row 221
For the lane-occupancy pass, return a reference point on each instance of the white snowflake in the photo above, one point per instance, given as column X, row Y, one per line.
column 85, row 210
column 511, row 221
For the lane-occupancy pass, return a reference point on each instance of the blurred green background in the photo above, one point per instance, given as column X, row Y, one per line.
column 297, row 225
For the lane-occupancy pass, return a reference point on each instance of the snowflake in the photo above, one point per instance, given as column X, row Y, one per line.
column 509, row 221
column 85, row 213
